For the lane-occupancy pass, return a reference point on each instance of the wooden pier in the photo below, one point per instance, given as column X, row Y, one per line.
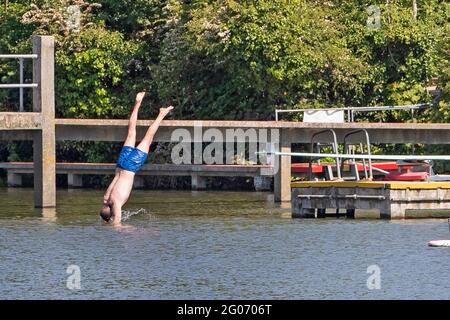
column 392, row 199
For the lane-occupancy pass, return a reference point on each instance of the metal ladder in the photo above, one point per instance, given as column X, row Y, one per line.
column 368, row 175
column 322, row 143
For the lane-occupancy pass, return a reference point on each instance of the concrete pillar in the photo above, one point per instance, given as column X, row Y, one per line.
column 44, row 140
column 262, row 183
column 350, row 213
column 74, row 180
column 14, row 179
column 396, row 210
column 48, row 214
column 138, row 182
column 321, row 212
column 386, row 213
column 198, row 182
column 282, row 182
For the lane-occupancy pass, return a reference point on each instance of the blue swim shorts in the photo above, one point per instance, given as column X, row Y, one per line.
column 131, row 159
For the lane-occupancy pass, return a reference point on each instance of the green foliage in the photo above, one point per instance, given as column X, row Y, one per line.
column 19, row 151
column 443, row 113
column 91, row 60
column 88, row 151
column 14, row 34
column 229, row 59
column 92, row 69
column 226, row 59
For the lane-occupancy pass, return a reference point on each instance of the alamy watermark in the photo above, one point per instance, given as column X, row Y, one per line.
column 374, row 280
column 374, row 19
column 242, row 146
column 74, row 279
column 74, row 17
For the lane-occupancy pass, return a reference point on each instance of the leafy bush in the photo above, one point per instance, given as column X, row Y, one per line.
column 230, row 59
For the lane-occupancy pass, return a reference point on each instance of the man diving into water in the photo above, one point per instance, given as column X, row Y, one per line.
column 130, row 161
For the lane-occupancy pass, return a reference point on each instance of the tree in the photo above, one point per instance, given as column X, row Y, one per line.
column 91, row 61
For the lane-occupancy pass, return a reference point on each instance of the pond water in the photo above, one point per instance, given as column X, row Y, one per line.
column 211, row 245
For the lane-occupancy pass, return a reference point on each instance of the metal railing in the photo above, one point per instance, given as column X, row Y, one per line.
column 369, row 153
column 20, row 85
column 334, row 145
column 351, row 110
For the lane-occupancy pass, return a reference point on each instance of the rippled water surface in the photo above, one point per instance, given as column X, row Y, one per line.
column 211, row 245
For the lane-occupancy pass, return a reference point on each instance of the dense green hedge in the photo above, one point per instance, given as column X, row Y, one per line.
column 228, row 59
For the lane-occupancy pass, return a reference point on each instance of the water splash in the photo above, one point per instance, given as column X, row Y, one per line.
column 127, row 214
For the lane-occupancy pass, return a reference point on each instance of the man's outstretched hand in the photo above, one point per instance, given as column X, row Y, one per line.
column 140, row 97
column 165, row 111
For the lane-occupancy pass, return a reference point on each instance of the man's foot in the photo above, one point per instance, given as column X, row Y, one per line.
column 140, row 97
column 165, row 111
column 137, row 104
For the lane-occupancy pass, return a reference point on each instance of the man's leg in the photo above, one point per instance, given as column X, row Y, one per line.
column 131, row 135
column 144, row 145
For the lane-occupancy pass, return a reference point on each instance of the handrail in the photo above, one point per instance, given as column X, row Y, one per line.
column 18, row 85
column 18, row 56
column 360, row 156
column 368, row 150
column 21, row 85
column 335, row 150
column 351, row 110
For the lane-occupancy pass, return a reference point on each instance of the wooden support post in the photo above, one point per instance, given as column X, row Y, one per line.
column 282, row 183
column 44, row 140
column 74, row 180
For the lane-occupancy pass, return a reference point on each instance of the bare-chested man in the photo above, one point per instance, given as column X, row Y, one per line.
column 131, row 159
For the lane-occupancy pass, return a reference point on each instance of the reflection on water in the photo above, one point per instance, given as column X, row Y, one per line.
column 217, row 245
column 48, row 214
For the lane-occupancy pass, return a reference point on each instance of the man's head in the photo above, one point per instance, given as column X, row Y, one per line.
column 106, row 213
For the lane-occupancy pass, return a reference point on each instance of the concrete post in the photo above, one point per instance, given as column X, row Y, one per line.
column 282, row 182
column 14, row 179
column 138, row 182
column 74, row 180
column 262, row 183
column 198, row 182
column 44, row 140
